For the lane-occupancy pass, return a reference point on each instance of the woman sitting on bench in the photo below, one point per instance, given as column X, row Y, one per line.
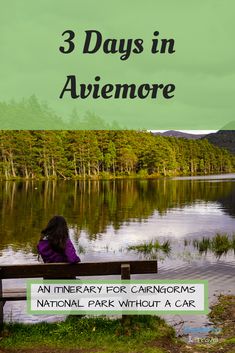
column 55, row 244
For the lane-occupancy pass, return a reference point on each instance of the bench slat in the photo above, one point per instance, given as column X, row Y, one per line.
column 13, row 294
column 64, row 270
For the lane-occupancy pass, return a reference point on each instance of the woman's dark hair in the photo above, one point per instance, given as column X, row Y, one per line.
column 56, row 232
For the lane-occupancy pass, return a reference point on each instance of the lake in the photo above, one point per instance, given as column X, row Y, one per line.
column 106, row 217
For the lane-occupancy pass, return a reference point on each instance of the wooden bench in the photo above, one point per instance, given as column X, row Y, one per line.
column 64, row 270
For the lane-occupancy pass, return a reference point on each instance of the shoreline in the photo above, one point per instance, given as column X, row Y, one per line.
column 123, row 177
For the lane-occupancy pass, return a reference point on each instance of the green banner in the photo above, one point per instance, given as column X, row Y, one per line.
column 120, row 65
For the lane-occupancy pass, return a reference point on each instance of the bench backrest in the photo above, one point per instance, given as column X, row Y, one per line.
column 64, row 270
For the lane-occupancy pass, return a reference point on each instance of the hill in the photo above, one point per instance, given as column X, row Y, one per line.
column 178, row 134
column 223, row 138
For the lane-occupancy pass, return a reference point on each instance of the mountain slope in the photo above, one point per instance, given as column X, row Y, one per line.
column 223, row 138
column 174, row 133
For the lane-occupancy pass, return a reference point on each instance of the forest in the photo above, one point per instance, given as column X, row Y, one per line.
column 106, row 154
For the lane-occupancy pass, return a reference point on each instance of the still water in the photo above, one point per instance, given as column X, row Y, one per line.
column 106, row 217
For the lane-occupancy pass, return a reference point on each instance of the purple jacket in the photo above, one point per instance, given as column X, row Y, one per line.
column 50, row 255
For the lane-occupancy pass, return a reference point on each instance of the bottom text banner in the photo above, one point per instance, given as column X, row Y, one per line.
column 117, row 297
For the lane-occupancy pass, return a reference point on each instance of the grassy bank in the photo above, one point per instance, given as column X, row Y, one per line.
column 139, row 334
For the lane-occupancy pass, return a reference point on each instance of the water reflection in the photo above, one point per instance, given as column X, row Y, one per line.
column 94, row 206
column 107, row 217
